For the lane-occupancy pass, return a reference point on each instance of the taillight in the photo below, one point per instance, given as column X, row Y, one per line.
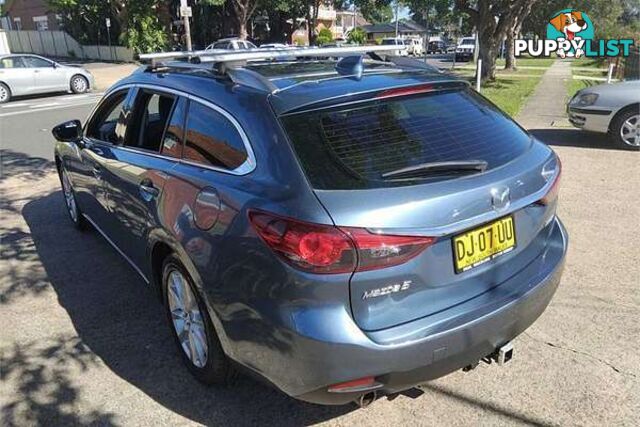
column 552, row 194
column 327, row 249
column 403, row 91
column 382, row 250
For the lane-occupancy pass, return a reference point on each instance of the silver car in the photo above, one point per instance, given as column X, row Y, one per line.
column 609, row 108
column 33, row 74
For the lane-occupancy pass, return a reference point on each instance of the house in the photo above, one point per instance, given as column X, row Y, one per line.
column 376, row 32
column 340, row 22
column 30, row 15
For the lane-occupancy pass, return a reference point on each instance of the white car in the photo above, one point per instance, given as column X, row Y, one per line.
column 392, row 41
column 612, row 108
column 32, row 74
column 465, row 49
column 415, row 46
column 274, row 46
column 232, row 43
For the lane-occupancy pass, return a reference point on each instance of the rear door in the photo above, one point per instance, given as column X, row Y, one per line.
column 135, row 175
column 353, row 155
column 15, row 74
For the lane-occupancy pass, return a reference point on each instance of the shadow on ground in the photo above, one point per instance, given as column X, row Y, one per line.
column 118, row 318
column 567, row 137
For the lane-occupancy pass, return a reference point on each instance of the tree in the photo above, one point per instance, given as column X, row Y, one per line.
column 512, row 32
column 357, row 36
column 312, row 8
column 375, row 11
column 324, row 36
column 493, row 19
column 244, row 10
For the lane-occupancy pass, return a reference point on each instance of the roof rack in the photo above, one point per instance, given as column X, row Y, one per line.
column 226, row 56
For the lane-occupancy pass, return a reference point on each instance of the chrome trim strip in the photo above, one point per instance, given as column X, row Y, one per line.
column 135, row 267
column 245, row 168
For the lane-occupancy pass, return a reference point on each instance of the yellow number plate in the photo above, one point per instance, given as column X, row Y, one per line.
column 483, row 244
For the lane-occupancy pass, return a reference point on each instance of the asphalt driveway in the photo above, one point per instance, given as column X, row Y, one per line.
column 84, row 341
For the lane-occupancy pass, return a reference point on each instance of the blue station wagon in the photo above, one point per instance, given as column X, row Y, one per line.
column 344, row 229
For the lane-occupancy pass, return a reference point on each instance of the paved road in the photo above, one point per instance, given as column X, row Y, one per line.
column 26, row 123
column 84, row 342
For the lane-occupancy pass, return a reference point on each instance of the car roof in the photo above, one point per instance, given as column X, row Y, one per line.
column 296, row 84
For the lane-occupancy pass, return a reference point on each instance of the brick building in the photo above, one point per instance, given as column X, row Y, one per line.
column 29, row 15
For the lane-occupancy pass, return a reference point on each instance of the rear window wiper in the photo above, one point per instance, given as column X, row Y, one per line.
column 438, row 168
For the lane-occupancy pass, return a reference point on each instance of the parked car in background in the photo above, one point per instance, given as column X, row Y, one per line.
column 612, row 108
column 392, row 41
column 437, row 46
column 231, row 43
column 274, row 46
column 465, row 49
column 415, row 46
column 22, row 74
column 343, row 238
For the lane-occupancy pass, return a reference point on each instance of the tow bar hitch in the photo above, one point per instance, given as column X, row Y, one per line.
column 501, row 356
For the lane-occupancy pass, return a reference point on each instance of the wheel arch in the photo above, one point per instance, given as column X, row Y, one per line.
column 621, row 111
column 76, row 74
column 161, row 245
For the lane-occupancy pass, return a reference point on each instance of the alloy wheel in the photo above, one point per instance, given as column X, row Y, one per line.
column 69, row 198
column 187, row 319
column 630, row 131
column 4, row 93
column 79, row 84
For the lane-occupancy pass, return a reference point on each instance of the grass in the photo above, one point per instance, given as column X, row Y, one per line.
column 528, row 62
column 574, row 85
column 508, row 91
column 585, row 62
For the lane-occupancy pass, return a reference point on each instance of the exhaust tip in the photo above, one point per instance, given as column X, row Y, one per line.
column 367, row 399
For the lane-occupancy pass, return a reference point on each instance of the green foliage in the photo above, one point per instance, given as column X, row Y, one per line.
column 375, row 11
column 324, row 36
column 358, row 36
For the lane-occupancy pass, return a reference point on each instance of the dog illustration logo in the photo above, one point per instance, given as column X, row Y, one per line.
column 569, row 25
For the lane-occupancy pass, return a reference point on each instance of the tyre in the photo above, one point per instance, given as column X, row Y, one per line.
column 5, row 93
column 625, row 129
column 71, row 203
column 192, row 329
column 79, row 84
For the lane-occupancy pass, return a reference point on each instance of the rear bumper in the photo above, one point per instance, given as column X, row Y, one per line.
column 327, row 347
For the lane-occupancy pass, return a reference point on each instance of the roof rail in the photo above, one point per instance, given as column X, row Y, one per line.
column 224, row 56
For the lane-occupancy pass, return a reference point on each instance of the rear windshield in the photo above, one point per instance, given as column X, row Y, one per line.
column 468, row 41
column 351, row 147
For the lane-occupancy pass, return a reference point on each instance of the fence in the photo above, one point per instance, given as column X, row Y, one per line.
column 61, row 44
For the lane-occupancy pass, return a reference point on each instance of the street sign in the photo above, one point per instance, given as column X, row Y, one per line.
column 185, row 11
column 108, row 22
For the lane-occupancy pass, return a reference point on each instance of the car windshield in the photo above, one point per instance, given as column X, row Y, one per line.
column 468, row 41
column 353, row 146
column 390, row 42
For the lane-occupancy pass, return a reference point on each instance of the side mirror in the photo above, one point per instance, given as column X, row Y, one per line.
column 70, row 131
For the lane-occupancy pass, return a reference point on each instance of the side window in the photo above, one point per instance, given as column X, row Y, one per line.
column 107, row 124
column 34, row 62
column 11, row 62
column 212, row 140
column 221, row 45
column 150, row 116
column 173, row 136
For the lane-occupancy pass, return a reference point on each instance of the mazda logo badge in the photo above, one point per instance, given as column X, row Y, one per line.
column 500, row 198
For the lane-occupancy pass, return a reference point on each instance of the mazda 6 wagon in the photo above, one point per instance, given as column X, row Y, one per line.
column 343, row 229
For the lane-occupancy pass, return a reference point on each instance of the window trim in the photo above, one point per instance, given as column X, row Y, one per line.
column 245, row 168
column 133, row 107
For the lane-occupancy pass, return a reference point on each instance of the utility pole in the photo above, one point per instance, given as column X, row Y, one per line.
column 397, row 5
column 107, row 22
column 185, row 13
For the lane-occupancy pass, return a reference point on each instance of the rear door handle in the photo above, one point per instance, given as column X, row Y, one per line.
column 147, row 190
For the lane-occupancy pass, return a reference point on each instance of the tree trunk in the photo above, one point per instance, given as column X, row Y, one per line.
column 510, row 60
column 488, row 52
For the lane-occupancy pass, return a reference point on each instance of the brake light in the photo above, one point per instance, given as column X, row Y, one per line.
column 327, row 249
column 382, row 250
column 554, row 190
column 405, row 91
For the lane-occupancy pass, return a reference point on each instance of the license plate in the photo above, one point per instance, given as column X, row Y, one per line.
column 475, row 247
